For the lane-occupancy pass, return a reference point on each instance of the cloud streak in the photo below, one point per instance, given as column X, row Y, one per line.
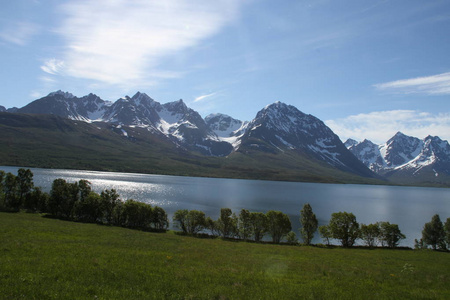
column 202, row 97
column 52, row 66
column 431, row 85
column 126, row 42
column 19, row 33
column 381, row 126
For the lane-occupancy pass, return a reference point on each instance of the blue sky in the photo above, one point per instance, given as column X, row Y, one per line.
column 366, row 68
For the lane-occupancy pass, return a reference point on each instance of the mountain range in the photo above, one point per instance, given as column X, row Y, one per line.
column 280, row 143
column 405, row 159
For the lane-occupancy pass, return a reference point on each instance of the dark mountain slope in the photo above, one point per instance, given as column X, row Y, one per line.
column 53, row 142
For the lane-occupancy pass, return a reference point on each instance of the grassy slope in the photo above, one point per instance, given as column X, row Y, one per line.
column 50, row 259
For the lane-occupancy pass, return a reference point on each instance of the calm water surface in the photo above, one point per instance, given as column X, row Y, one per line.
column 410, row 207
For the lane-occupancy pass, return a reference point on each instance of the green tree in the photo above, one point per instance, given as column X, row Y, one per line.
column 291, row 238
column 325, row 233
column 343, row 227
column 83, row 189
column 88, row 209
column 227, row 223
column 63, row 196
column 196, row 221
column 2, row 178
column 278, row 225
column 212, row 226
column 447, row 232
column 308, row 223
column 2, row 190
column 24, row 184
column 36, row 200
column 419, row 244
column 118, row 218
column 390, row 234
column 10, row 190
column 180, row 219
column 433, row 233
column 136, row 214
column 244, row 224
column 159, row 219
column 258, row 225
column 109, row 199
column 370, row 234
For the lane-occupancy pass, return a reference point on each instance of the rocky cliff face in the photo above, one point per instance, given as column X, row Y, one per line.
column 405, row 155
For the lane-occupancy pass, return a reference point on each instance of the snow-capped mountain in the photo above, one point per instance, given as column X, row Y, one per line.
column 367, row 152
column 281, row 127
column 226, row 128
column 174, row 120
column 301, row 139
column 350, row 142
column 88, row 108
column 434, row 155
column 400, row 149
column 276, row 128
column 138, row 110
column 2, row 108
column 405, row 155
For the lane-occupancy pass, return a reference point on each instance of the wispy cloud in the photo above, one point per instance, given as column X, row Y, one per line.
column 19, row 33
column 202, row 97
column 125, row 42
column 436, row 84
column 381, row 126
column 36, row 94
column 52, row 66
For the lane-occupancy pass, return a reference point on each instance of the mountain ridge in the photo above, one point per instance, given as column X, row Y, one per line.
column 278, row 132
column 406, row 158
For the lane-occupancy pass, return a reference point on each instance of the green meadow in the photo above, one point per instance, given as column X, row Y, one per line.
column 42, row 258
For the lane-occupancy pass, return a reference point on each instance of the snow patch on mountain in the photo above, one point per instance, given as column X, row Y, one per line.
column 403, row 152
column 226, row 128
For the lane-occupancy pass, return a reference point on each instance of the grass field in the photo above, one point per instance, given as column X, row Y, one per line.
column 44, row 258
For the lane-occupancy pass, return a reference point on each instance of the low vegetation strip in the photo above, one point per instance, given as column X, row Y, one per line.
column 42, row 258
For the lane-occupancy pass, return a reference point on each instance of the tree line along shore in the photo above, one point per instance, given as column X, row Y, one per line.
column 78, row 202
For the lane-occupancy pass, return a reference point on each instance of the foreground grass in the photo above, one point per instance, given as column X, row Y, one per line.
column 51, row 259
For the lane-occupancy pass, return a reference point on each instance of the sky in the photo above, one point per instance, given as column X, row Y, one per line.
column 368, row 69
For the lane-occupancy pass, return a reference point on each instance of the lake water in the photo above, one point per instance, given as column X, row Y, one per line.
column 409, row 207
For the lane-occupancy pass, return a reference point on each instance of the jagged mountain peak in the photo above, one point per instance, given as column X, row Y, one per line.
column 177, row 106
column 279, row 106
column 399, row 134
column 226, row 128
column 280, row 127
column 287, row 118
column 141, row 97
column 368, row 153
column 350, row 142
column 435, row 139
column 216, row 115
column 407, row 158
column 276, row 104
column 434, row 144
column 400, row 149
column 92, row 98
column 65, row 95
column 219, row 117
